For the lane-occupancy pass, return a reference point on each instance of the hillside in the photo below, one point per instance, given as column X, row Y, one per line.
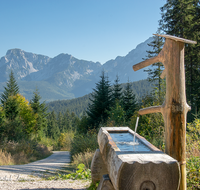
column 79, row 105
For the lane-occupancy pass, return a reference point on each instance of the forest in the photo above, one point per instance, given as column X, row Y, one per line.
column 28, row 130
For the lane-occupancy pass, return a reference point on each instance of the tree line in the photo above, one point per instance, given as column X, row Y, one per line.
column 108, row 104
column 23, row 119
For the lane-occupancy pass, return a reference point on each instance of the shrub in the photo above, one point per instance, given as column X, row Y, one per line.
column 193, row 154
column 85, row 158
column 193, row 172
column 83, row 143
column 64, row 140
column 81, row 173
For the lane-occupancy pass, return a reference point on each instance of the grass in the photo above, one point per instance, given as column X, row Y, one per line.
column 85, row 158
column 83, row 143
column 15, row 153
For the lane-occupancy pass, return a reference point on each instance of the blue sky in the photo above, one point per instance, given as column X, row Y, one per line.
column 93, row 30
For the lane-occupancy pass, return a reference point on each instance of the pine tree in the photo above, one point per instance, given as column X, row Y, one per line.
column 11, row 88
column 117, row 90
column 60, row 122
column 129, row 102
column 52, row 127
column 40, row 110
column 100, row 102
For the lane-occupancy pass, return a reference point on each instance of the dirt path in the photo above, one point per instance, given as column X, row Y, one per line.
column 11, row 177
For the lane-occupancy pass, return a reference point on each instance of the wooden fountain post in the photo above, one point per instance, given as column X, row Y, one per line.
column 175, row 107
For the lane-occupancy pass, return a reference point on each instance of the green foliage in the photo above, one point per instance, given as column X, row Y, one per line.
column 193, row 172
column 76, row 105
column 83, row 143
column 116, row 115
column 64, row 140
column 82, row 127
column 93, row 186
column 128, row 102
column 81, row 173
column 193, row 154
column 11, row 89
column 156, row 69
column 79, row 105
column 181, row 18
column 85, row 158
column 117, row 90
column 40, row 110
column 100, row 102
column 19, row 121
column 62, row 123
column 53, row 130
column 150, row 126
column 193, row 138
column 23, row 152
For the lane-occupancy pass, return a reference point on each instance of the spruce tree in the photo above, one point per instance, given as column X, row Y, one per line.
column 40, row 109
column 129, row 102
column 117, row 90
column 11, row 88
column 100, row 102
column 52, row 127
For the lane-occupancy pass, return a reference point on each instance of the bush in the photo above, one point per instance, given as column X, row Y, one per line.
column 193, row 154
column 83, row 143
column 193, row 172
column 85, row 158
column 81, row 173
column 64, row 141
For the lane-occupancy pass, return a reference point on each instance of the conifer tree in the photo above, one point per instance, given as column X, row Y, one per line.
column 11, row 88
column 60, row 122
column 40, row 110
column 117, row 90
column 129, row 102
column 100, row 102
column 52, row 127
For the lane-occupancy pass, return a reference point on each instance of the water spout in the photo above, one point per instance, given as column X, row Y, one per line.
column 136, row 125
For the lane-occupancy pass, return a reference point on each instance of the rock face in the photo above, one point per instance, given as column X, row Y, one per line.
column 136, row 170
column 66, row 72
column 22, row 63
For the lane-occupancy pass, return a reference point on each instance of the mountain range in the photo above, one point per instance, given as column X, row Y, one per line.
column 64, row 76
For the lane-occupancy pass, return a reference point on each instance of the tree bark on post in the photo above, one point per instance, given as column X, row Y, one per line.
column 175, row 107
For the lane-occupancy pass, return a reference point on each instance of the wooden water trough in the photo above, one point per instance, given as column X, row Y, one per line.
column 129, row 168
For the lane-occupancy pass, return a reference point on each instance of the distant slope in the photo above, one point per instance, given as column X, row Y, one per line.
column 79, row 105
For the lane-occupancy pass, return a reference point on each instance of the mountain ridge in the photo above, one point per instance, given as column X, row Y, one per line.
column 66, row 75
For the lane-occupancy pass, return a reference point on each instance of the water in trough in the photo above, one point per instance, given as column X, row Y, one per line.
column 125, row 141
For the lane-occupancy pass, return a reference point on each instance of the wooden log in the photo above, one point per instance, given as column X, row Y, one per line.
column 137, row 170
column 98, row 168
column 105, row 183
column 152, row 109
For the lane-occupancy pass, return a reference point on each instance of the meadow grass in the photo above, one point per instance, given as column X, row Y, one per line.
column 23, row 152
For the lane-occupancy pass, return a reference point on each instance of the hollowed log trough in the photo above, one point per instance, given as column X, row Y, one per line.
column 132, row 170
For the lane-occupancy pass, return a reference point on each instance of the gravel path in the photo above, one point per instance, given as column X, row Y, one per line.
column 28, row 176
